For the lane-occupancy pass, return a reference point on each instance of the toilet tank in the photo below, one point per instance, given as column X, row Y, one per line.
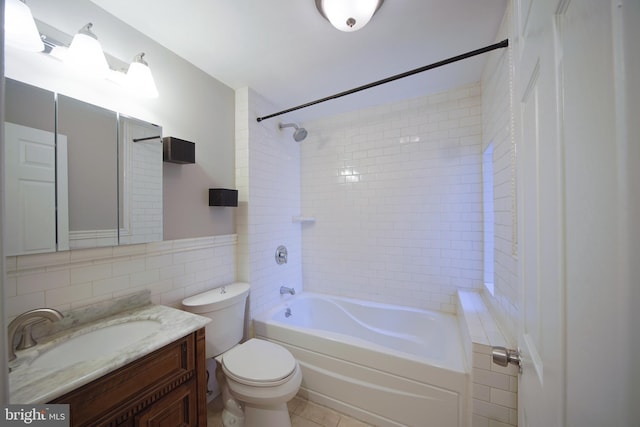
column 225, row 306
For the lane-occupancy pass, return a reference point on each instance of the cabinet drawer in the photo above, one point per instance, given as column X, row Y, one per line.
column 132, row 387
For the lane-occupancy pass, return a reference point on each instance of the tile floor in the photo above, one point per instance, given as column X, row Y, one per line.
column 303, row 414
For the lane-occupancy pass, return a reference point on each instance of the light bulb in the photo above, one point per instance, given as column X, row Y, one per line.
column 140, row 79
column 20, row 29
column 85, row 54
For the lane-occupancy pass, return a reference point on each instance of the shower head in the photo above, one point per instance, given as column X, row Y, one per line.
column 299, row 134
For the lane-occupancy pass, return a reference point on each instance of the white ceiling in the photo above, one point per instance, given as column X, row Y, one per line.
column 288, row 53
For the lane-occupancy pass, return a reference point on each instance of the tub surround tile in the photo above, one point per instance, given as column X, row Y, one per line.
column 480, row 322
column 32, row 385
column 409, row 230
column 494, row 388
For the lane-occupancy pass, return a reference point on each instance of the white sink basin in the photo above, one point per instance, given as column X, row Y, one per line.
column 96, row 344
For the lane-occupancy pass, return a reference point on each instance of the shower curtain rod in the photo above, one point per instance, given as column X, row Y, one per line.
column 503, row 43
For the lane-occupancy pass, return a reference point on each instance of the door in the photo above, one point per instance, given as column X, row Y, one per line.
column 575, row 193
column 540, row 214
column 30, row 173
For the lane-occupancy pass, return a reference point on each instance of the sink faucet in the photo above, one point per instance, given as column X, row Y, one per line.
column 23, row 324
column 286, row 290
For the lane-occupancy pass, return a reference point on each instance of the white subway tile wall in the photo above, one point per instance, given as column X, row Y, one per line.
column 494, row 389
column 396, row 194
column 268, row 180
column 172, row 270
column 497, row 128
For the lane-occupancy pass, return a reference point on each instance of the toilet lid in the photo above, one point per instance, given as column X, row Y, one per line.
column 258, row 362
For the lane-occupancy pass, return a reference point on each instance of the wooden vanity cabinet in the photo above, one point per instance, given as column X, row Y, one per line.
column 165, row 388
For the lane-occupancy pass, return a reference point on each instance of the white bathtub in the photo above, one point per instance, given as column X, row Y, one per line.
column 384, row 364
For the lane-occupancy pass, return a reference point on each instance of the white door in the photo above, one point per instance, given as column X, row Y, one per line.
column 540, row 214
column 601, row 226
column 573, row 211
column 30, row 190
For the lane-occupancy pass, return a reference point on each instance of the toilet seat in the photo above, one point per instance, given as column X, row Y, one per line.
column 259, row 363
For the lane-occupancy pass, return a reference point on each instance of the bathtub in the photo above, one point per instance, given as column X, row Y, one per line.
column 384, row 364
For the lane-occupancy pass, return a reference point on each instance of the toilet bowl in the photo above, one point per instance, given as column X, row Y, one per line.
column 264, row 377
column 257, row 377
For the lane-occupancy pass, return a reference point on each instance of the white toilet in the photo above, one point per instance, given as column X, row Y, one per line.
column 260, row 377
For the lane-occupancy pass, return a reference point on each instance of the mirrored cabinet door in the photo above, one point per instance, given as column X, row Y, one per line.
column 91, row 135
column 30, row 170
column 77, row 175
column 140, row 181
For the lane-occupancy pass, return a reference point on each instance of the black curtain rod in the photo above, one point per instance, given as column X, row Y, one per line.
column 503, row 43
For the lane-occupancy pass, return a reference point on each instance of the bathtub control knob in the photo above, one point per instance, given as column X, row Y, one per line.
column 281, row 255
column 503, row 356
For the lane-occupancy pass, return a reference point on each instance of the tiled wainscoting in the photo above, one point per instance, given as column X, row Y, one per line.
column 494, row 389
column 171, row 270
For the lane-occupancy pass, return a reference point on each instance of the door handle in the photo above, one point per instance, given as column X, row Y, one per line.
column 504, row 356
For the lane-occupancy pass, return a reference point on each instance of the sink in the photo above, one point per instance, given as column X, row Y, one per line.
column 95, row 344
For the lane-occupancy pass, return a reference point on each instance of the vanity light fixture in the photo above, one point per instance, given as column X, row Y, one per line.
column 140, row 79
column 20, row 28
column 348, row 15
column 85, row 53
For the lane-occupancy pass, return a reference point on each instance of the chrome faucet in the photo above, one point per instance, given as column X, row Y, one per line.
column 23, row 324
column 286, row 290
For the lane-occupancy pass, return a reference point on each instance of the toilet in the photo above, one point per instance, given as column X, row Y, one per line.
column 257, row 377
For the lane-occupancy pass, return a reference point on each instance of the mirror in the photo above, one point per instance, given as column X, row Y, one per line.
column 77, row 175
column 140, row 190
column 91, row 134
column 30, row 170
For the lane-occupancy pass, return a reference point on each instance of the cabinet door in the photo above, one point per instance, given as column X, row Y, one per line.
column 178, row 408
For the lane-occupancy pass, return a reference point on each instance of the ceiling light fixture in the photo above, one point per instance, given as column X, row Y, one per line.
column 348, row 15
column 85, row 53
column 140, row 79
column 20, row 28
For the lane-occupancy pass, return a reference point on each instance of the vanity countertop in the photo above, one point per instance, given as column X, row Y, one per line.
column 30, row 385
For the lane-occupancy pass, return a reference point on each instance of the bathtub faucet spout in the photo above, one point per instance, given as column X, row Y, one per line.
column 286, row 290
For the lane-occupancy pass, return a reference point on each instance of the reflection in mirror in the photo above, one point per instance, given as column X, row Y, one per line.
column 140, row 189
column 30, row 171
column 92, row 135
column 92, row 179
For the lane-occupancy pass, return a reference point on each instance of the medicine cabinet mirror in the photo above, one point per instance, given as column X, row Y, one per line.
column 77, row 175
